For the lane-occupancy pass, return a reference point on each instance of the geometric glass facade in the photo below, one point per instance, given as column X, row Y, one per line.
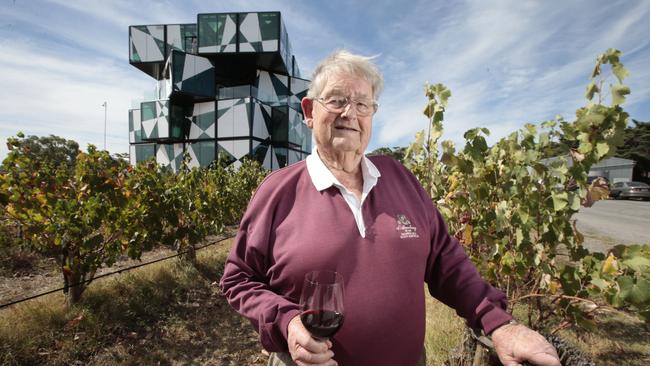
column 227, row 87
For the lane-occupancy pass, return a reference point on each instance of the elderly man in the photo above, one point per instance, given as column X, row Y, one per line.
column 369, row 220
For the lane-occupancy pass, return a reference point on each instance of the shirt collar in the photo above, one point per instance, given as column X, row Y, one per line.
column 322, row 177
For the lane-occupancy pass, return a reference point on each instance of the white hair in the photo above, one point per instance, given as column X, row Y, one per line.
column 345, row 62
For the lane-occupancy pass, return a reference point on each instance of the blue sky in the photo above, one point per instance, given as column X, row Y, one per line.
column 506, row 62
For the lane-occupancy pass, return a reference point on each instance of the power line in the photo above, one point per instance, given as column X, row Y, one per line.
column 112, row 273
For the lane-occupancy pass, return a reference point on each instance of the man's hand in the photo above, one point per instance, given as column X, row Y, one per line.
column 304, row 349
column 516, row 343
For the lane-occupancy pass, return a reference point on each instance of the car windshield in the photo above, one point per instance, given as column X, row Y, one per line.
column 637, row 184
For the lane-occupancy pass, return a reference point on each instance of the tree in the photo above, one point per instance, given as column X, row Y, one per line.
column 52, row 151
column 395, row 152
column 70, row 209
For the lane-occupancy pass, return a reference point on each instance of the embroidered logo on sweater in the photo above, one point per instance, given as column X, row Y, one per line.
column 405, row 228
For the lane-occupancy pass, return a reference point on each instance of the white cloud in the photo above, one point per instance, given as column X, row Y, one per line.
column 507, row 62
column 52, row 94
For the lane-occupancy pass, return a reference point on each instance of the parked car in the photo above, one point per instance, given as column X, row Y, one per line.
column 622, row 190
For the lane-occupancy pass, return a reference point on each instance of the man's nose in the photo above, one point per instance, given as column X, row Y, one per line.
column 348, row 110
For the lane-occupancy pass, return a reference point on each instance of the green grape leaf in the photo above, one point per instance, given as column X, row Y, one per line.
column 620, row 72
column 591, row 90
column 619, row 92
column 560, row 200
column 602, row 148
column 638, row 264
column 635, row 292
column 574, row 201
column 600, row 283
column 630, row 251
column 523, row 215
column 429, row 109
column 593, row 119
column 596, row 70
column 519, row 236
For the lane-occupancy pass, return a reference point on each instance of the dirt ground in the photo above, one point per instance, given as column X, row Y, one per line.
column 19, row 281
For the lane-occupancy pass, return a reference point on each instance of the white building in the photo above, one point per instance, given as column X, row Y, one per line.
column 614, row 169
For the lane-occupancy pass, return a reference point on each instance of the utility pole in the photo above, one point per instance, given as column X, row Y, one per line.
column 105, row 105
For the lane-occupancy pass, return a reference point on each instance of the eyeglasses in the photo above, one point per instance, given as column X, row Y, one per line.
column 337, row 104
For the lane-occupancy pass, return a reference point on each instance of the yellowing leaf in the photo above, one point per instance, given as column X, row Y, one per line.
column 577, row 156
column 610, row 266
column 598, row 193
column 467, row 234
column 40, row 197
column 553, row 287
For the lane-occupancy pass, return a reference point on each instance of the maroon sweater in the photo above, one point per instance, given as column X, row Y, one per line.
column 290, row 228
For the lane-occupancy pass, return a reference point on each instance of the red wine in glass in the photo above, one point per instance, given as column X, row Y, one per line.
column 322, row 323
column 322, row 303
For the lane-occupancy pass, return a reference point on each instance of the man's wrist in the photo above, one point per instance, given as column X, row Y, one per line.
column 509, row 322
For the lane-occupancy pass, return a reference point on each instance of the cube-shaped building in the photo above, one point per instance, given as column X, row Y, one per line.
column 227, row 87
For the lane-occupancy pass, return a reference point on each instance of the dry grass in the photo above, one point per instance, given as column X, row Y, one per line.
column 169, row 313
column 619, row 339
column 444, row 331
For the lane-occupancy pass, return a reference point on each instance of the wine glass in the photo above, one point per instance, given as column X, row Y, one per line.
column 322, row 303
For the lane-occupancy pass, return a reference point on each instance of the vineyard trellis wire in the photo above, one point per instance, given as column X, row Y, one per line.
column 119, row 271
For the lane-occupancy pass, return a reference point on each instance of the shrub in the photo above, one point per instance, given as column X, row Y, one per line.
column 513, row 211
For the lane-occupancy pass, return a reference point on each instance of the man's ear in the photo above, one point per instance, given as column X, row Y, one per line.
column 307, row 105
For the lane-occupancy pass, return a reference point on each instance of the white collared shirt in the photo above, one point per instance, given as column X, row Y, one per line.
column 323, row 178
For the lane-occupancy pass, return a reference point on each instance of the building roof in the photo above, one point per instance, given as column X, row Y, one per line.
column 614, row 162
column 607, row 163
